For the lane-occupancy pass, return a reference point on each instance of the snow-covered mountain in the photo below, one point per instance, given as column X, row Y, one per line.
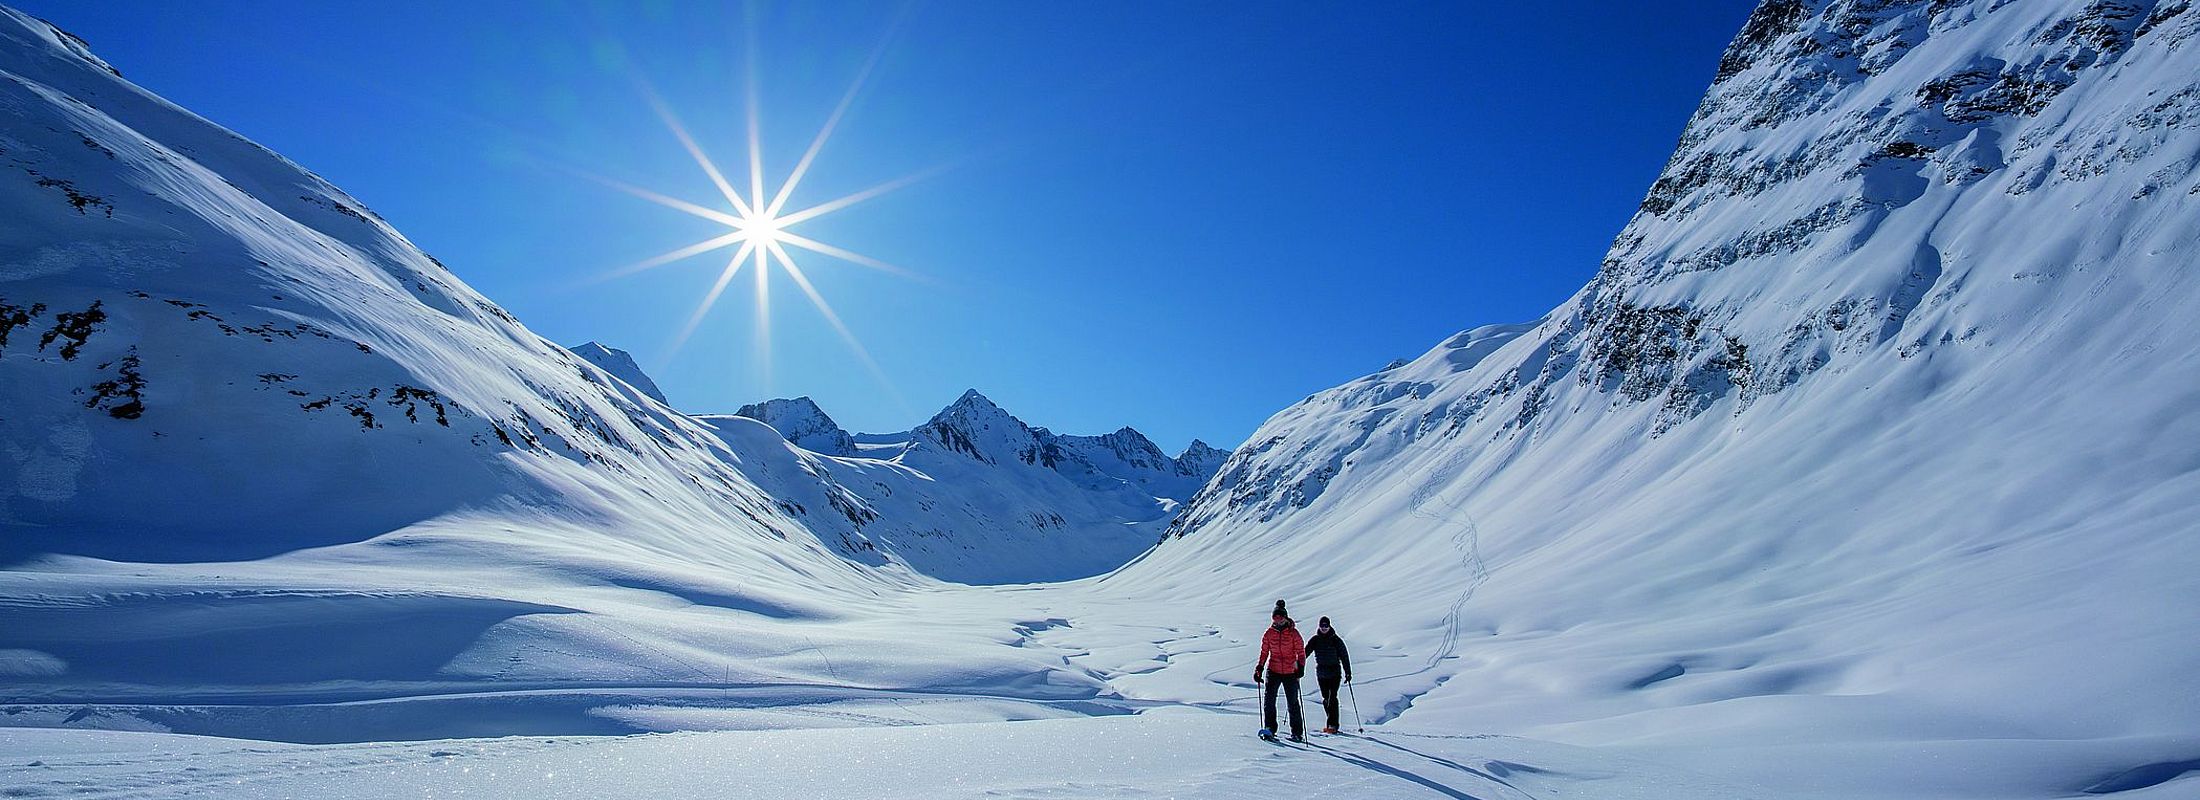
column 620, row 364
column 191, row 321
column 1111, row 462
column 974, row 494
column 803, row 424
column 1201, row 458
column 255, row 443
column 1871, row 440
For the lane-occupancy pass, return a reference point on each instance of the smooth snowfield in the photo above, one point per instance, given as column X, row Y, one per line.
column 1163, row 754
column 1102, row 696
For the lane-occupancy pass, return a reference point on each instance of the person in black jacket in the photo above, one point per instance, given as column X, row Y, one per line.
column 1331, row 666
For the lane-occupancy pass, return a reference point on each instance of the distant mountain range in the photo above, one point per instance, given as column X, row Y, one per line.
column 973, row 494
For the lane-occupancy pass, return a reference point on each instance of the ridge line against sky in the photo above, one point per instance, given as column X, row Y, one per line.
column 1180, row 220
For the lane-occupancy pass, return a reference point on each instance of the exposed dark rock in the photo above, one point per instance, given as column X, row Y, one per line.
column 77, row 199
column 73, row 329
column 14, row 316
column 122, row 396
column 1772, row 20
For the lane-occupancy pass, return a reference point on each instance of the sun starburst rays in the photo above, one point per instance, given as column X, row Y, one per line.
column 725, row 276
column 826, row 309
column 759, row 223
column 679, row 131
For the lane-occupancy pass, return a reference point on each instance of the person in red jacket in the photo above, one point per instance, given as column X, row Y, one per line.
column 1282, row 654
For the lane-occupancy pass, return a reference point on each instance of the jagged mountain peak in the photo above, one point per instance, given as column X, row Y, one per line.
column 621, row 365
column 802, row 422
column 1025, row 503
column 1131, row 437
column 1199, row 449
column 1125, row 446
column 1201, row 459
column 976, row 427
column 971, row 401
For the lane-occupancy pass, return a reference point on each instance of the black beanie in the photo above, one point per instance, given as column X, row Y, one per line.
column 1279, row 609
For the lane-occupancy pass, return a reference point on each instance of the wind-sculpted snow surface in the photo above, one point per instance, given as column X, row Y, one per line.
column 1872, row 434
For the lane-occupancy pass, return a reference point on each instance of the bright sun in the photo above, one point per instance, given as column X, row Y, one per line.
column 760, row 225
column 764, row 230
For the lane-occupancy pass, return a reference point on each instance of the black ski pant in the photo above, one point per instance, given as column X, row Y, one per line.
column 1290, row 686
column 1329, row 681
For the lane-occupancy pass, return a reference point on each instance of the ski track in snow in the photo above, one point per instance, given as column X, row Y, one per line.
column 1466, row 537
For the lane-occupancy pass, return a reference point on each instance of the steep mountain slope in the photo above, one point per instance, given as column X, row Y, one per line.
column 1872, row 435
column 228, row 333
column 255, row 444
column 974, row 494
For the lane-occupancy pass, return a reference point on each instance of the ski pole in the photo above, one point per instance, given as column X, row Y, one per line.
column 1355, row 695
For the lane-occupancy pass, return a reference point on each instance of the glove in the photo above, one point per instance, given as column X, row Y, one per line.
column 1256, row 674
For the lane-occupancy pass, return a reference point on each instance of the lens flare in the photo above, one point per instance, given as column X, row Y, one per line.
column 760, row 220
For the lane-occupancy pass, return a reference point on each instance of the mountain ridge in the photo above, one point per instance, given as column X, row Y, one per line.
column 621, row 365
column 961, row 424
column 1870, row 386
column 1046, row 505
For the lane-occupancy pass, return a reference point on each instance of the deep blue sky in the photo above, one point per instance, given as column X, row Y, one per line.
column 1180, row 217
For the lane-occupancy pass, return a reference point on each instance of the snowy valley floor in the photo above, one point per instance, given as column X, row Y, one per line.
column 1168, row 713
column 1137, row 702
column 1128, row 702
column 1162, row 753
